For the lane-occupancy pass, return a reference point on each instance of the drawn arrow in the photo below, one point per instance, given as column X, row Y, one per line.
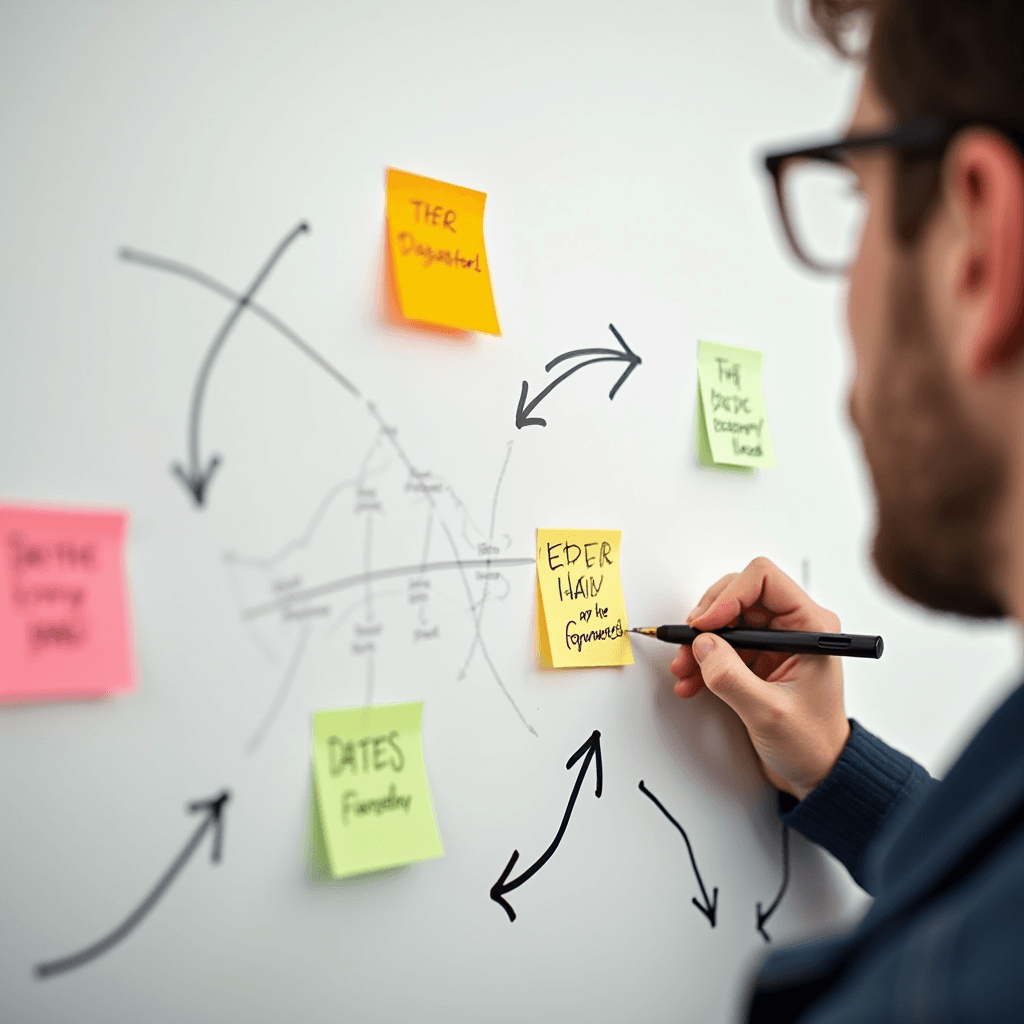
column 591, row 749
column 214, row 810
column 196, row 478
column 601, row 355
column 763, row 917
column 709, row 908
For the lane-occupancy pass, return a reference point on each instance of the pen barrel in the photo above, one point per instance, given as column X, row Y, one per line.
column 848, row 645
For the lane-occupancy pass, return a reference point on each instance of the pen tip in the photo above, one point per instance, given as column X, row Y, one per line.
column 644, row 630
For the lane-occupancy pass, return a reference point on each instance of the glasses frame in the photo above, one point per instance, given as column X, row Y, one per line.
column 924, row 134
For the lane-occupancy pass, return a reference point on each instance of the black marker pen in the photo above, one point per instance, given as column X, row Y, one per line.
column 847, row 645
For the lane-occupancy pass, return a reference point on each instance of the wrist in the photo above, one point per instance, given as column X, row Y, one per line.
column 800, row 788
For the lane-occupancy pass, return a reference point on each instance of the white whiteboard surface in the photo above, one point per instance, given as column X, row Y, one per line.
column 618, row 146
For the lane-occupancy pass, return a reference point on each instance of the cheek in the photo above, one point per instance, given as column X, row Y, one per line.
column 864, row 308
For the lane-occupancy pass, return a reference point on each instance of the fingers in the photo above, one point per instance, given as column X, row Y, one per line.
column 709, row 596
column 763, row 593
column 687, row 672
column 684, row 664
column 689, row 686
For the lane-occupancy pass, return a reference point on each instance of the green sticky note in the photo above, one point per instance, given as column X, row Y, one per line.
column 373, row 803
column 731, row 408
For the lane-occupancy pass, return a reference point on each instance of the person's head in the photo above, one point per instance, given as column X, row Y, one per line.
column 936, row 293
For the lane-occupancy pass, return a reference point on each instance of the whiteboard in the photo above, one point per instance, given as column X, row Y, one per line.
column 618, row 146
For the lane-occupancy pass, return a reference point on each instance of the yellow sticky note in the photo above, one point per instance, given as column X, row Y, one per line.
column 373, row 803
column 731, row 407
column 581, row 613
column 436, row 244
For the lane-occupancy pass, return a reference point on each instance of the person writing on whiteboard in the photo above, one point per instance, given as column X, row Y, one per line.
column 932, row 165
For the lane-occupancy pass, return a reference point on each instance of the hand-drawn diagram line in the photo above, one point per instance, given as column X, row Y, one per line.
column 321, row 589
column 197, row 481
column 592, row 749
column 478, row 610
column 709, row 908
column 214, row 814
column 460, row 564
column 367, row 572
column 762, row 917
column 282, row 692
column 183, row 270
column 284, row 688
column 306, row 537
column 195, row 476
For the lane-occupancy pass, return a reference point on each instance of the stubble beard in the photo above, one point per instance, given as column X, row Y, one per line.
column 938, row 482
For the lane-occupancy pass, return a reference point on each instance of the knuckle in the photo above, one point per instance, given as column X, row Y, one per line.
column 761, row 566
column 717, row 588
column 716, row 675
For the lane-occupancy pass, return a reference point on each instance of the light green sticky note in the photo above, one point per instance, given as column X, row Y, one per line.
column 704, row 456
column 731, row 407
column 372, row 797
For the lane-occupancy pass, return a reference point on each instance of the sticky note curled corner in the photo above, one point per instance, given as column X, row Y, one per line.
column 372, row 798
column 438, row 257
column 65, row 629
column 581, row 611
column 732, row 422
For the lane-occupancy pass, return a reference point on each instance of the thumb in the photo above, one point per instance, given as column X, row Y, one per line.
column 726, row 676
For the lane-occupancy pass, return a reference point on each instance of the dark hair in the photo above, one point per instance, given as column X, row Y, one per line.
column 951, row 59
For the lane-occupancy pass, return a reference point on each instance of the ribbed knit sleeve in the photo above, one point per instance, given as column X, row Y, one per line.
column 870, row 785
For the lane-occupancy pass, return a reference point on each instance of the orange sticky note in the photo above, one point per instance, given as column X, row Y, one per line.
column 64, row 624
column 436, row 244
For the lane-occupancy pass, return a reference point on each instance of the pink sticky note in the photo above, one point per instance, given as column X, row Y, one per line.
column 64, row 624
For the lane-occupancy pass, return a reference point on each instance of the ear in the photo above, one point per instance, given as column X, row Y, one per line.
column 986, row 187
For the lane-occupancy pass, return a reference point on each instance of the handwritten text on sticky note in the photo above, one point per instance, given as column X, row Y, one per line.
column 732, row 424
column 581, row 613
column 64, row 624
column 372, row 796
column 436, row 244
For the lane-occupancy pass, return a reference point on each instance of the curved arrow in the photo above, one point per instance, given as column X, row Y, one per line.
column 709, row 908
column 214, row 808
column 602, row 355
column 195, row 478
column 591, row 748
column 763, row 917
column 145, row 259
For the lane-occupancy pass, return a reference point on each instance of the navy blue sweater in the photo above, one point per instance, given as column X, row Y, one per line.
column 944, row 938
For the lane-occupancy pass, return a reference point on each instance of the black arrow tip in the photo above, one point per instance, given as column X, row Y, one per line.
column 711, row 910
column 631, row 358
column 522, row 419
column 214, row 807
column 505, row 905
column 196, row 483
column 498, row 889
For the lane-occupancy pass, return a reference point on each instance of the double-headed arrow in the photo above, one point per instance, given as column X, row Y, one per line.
column 214, row 809
column 590, row 749
column 599, row 355
column 709, row 908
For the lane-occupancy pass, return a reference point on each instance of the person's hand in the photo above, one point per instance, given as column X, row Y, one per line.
column 792, row 705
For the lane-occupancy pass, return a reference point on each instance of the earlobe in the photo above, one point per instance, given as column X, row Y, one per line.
column 989, row 188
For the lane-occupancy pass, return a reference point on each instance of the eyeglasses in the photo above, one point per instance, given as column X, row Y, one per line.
column 821, row 205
